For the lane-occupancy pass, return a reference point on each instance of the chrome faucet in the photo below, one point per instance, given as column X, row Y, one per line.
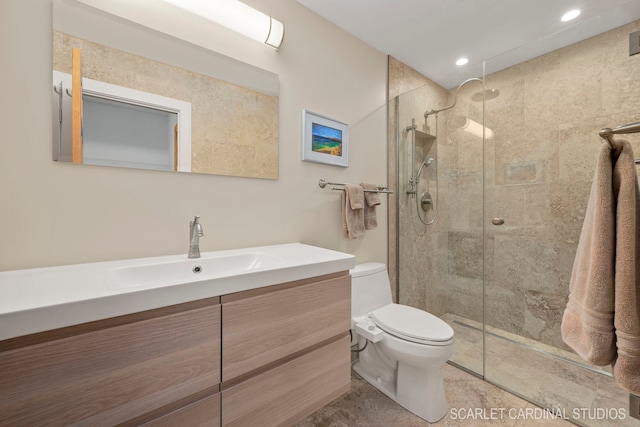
column 195, row 232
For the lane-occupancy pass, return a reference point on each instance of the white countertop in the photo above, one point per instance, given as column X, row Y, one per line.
column 41, row 299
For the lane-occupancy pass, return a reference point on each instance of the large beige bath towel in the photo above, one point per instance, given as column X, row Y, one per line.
column 602, row 319
column 587, row 323
column 626, row 369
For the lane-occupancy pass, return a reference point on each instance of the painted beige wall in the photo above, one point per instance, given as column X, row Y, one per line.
column 56, row 214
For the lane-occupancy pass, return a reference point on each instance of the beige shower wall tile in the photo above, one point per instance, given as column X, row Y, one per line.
column 403, row 79
column 620, row 83
column 505, row 112
column 525, row 262
column 422, row 250
column 436, row 278
column 466, row 254
column 470, row 149
column 543, row 316
column 537, row 201
column 413, row 295
column 559, row 96
column 415, row 103
column 464, row 210
column 588, row 131
column 526, row 156
column 507, row 202
column 504, row 307
column 466, row 303
column 568, row 206
column 579, row 145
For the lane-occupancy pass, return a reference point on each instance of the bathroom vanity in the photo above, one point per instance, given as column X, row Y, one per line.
column 259, row 344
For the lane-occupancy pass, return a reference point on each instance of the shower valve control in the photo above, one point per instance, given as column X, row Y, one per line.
column 370, row 331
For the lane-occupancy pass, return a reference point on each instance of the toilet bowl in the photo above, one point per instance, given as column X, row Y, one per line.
column 402, row 348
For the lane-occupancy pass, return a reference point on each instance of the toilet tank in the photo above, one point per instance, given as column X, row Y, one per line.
column 370, row 288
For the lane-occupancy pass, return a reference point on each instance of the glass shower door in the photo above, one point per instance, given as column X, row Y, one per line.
column 440, row 209
column 539, row 167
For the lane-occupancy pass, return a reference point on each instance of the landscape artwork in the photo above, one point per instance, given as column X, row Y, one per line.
column 326, row 140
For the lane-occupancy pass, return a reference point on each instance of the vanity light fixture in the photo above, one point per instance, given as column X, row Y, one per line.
column 237, row 16
column 462, row 61
column 572, row 14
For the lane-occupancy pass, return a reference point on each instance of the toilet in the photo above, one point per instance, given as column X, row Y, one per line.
column 404, row 347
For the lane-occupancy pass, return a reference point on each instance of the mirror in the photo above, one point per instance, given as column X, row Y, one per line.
column 153, row 101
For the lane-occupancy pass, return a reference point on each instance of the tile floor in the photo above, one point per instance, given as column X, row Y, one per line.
column 365, row 406
column 552, row 378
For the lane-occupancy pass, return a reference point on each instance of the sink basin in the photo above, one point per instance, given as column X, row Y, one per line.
column 41, row 299
column 189, row 270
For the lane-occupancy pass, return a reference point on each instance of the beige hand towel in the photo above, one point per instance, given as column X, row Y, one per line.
column 587, row 323
column 626, row 369
column 372, row 199
column 353, row 211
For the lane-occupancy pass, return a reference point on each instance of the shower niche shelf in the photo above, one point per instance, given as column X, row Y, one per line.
column 423, row 137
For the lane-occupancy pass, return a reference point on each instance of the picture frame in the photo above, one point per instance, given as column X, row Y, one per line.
column 324, row 140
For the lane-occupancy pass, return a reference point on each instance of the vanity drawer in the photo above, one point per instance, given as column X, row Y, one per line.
column 203, row 413
column 260, row 328
column 291, row 391
column 111, row 371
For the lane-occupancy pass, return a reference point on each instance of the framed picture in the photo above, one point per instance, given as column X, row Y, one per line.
column 324, row 140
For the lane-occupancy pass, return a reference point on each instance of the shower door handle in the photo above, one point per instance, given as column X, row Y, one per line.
column 497, row 221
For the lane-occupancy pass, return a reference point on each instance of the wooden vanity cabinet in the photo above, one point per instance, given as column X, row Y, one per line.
column 126, row 370
column 287, row 393
column 263, row 357
column 285, row 350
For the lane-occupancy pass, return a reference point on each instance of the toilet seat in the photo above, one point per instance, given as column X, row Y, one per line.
column 413, row 324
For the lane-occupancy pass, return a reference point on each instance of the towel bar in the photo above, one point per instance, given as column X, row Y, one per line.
column 607, row 133
column 381, row 188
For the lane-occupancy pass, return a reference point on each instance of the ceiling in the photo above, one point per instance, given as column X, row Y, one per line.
column 430, row 35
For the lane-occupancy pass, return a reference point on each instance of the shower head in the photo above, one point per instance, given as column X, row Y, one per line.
column 428, row 162
column 455, row 98
column 487, row 94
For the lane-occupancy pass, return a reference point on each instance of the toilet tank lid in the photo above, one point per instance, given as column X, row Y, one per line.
column 367, row 269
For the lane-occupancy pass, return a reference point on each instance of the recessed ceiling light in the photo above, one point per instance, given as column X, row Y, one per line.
column 572, row 14
column 462, row 61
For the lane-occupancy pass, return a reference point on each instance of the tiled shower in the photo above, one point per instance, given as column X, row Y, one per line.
column 504, row 287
